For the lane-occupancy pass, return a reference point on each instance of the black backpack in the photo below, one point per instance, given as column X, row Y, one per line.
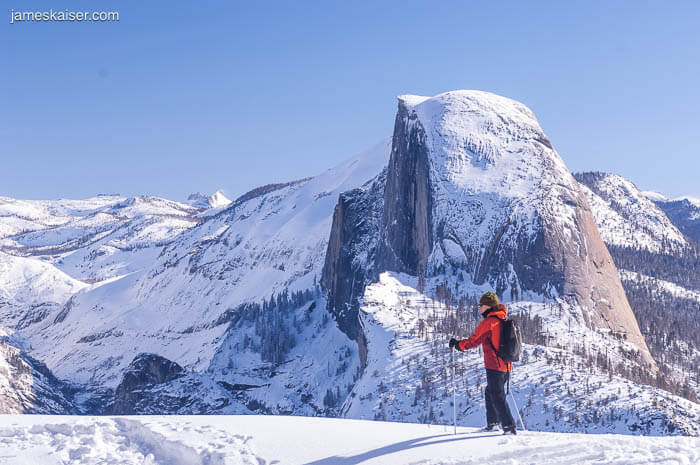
column 511, row 341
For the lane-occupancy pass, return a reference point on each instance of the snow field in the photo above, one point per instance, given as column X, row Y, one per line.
column 268, row 440
column 408, row 374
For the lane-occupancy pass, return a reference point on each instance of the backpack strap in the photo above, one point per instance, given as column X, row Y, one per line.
column 498, row 359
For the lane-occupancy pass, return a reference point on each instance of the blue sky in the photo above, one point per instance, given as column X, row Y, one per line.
column 179, row 97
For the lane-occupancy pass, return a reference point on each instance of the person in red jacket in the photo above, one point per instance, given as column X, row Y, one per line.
column 488, row 335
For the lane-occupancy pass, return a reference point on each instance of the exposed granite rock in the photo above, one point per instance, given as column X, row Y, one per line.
column 144, row 372
column 351, row 252
column 28, row 386
column 544, row 241
column 406, row 231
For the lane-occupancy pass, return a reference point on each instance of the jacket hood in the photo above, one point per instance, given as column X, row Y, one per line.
column 499, row 311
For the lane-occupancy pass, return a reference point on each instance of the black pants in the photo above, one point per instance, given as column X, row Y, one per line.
column 497, row 410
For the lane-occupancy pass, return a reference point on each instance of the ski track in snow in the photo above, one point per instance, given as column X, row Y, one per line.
column 270, row 440
column 120, row 441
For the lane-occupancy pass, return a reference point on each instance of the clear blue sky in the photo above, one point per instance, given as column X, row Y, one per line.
column 179, row 97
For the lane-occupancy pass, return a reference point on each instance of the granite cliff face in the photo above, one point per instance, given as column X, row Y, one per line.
column 406, row 229
column 352, row 245
column 28, row 386
column 474, row 186
column 144, row 372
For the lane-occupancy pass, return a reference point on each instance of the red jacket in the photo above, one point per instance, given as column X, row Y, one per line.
column 487, row 333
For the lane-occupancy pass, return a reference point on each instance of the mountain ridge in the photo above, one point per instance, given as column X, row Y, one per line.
column 277, row 302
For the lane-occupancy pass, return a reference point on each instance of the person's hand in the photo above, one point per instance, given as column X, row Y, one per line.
column 454, row 344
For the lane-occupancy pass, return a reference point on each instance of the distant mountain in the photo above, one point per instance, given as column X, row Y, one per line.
column 95, row 239
column 626, row 217
column 685, row 213
column 335, row 295
column 216, row 200
column 660, row 268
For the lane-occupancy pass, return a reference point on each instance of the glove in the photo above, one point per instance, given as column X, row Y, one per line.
column 454, row 344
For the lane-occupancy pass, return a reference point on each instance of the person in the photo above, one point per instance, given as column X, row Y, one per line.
column 488, row 334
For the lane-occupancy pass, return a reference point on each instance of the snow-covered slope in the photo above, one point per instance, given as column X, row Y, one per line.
column 182, row 305
column 26, row 385
column 651, row 241
column 30, row 289
column 94, row 239
column 626, row 217
column 262, row 440
column 685, row 213
column 572, row 377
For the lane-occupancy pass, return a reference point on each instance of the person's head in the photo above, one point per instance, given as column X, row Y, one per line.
column 487, row 301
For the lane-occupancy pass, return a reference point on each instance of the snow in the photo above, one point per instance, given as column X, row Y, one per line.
column 93, row 239
column 217, row 200
column 29, row 280
column 407, row 374
column 694, row 200
column 672, row 288
column 267, row 440
column 491, row 168
column 476, row 138
column 655, row 196
column 167, row 279
column 626, row 217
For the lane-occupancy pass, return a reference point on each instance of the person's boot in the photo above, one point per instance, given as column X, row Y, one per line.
column 490, row 427
column 509, row 430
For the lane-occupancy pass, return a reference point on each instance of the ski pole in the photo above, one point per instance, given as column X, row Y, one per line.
column 517, row 410
column 454, row 392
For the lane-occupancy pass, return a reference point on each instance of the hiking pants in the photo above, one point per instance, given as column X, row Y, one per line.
column 497, row 410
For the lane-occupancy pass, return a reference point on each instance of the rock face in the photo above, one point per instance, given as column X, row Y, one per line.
column 352, row 247
column 28, row 386
column 474, row 185
column 407, row 233
column 144, row 372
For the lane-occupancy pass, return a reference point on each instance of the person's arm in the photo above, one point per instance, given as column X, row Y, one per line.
column 480, row 333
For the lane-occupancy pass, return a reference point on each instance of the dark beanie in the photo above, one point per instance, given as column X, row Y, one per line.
column 489, row 299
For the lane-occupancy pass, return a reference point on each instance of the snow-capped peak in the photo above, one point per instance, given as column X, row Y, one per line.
column 216, row 200
column 655, row 196
column 625, row 215
column 478, row 139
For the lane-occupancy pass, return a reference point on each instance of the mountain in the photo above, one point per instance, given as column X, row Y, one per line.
column 334, row 295
column 475, row 198
column 627, row 218
column 685, row 213
column 95, row 239
column 27, row 385
column 475, row 187
column 216, row 200
column 193, row 299
column 659, row 265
